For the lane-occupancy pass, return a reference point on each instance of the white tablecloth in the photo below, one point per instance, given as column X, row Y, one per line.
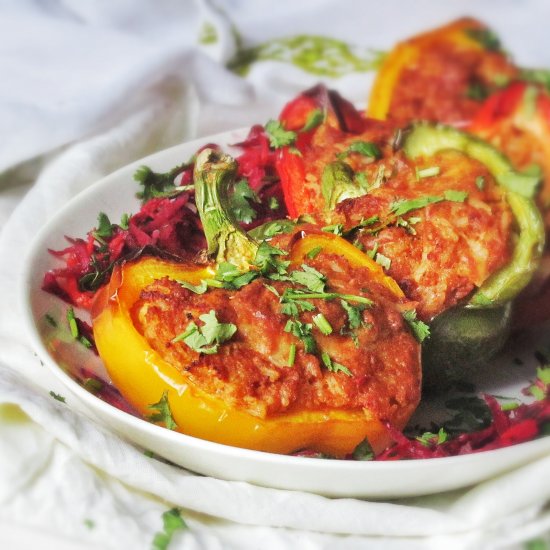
column 90, row 86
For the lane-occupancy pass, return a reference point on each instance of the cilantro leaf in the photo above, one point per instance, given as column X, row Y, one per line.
column 156, row 184
column 302, row 331
column 332, row 366
column 365, row 148
column 163, row 412
column 230, row 276
column 420, row 329
column 455, row 196
column 486, row 37
column 57, row 397
column 314, row 119
column 355, row 314
column 428, row 438
column 312, row 279
column 104, row 227
column 363, row 451
column 201, row 288
column 172, row 522
column 401, row 207
column 207, row 338
column 278, row 136
column 241, row 198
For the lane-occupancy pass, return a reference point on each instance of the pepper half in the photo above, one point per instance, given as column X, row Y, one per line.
column 143, row 376
column 470, row 333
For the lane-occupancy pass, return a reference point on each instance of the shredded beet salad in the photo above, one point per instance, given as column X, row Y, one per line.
column 167, row 225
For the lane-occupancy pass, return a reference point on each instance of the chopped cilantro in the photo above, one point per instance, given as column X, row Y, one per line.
column 201, row 288
column 291, row 355
column 365, row 148
column 420, row 330
column 273, row 203
column 124, row 221
column 310, row 278
column 241, row 198
column 278, row 136
column 172, row 522
column 543, row 374
column 486, row 37
column 455, row 196
column 93, row 385
column 314, row 119
column 332, row 366
column 104, row 227
column 355, row 314
column 267, row 259
column 302, row 331
column 363, row 451
column 480, row 183
column 337, row 229
column 50, row 320
column 322, row 324
column 207, row 338
column 314, row 252
column 57, row 397
column 401, row 207
column 230, row 276
column 428, row 438
column 159, row 184
column 296, row 295
column 428, row 172
column 73, row 325
column 477, row 91
column 163, row 412
column 382, row 260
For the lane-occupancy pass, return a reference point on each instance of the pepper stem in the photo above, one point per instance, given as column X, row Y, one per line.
column 214, row 174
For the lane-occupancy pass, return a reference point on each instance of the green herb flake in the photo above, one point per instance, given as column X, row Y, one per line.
column 208, row 34
column 302, row 331
column 104, row 227
column 365, row 148
column 230, row 276
column 89, row 523
column 455, row 196
column 207, row 338
column 337, row 229
column 240, row 203
column 486, row 37
column 543, row 374
column 156, row 184
column 201, row 288
column 480, row 183
column 310, row 278
column 124, row 221
column 382, row 260
column 50, row 320
column 428, row 438
column 278, row 136
column 172, row 523
column 73, row 325
column 273, row 203
column 363, row 451
column 477, row 91
column 420, row 329
column 93, row 385
column 314, row 118
column 314, row 252
column 163, row 413
column 401, row 207
column 322, row 324
column 355, row 314
column 428, row 172
column 332, row 366
column 57, row 397
column 291, row 355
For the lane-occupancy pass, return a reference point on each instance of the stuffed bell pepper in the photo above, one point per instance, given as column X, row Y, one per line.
column 298, row 343
column 442, row 212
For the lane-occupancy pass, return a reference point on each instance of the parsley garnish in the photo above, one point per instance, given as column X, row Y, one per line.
column 291, row 355
column 278, row 136
column 480, row 183
column 241, row 198
column 157, row 184
column 332, row 366
column 401, row 207
column 322, row 324
column 365, row 148
column 201, row 288
column 267, row 260
column 57, row 397
column 355, row 314
column 363, row 451
column 73, row 326
column 428, row 438
column 231, row 277
column 273, row 203
column 207, row 338
column 314, row 252
column 486, row 37
column 314, row 119
column 163, row 412
column 172, row 522
column 302, row 331
column 428, row 172
column 104, row 227
column 420, row 329
column 310, row 278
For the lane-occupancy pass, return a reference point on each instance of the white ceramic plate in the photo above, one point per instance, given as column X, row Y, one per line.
column 115, row 195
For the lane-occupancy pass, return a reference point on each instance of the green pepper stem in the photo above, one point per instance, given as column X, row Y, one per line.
column 214, row 174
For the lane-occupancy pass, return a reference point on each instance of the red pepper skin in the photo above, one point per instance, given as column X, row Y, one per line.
column 338, row 113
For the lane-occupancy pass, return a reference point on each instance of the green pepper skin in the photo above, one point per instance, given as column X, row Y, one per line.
column 468, row 335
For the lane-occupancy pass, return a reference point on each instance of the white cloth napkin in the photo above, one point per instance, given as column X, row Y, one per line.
column 89, row 87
